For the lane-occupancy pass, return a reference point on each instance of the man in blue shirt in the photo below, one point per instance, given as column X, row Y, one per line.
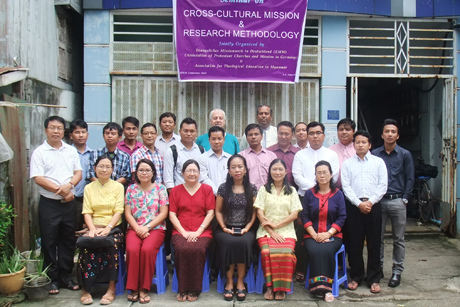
column 79, row 136
column 400, row 168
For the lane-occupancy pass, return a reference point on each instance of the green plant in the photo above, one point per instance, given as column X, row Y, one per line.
column 6, row 220
column 12, row 264
column 40, row 271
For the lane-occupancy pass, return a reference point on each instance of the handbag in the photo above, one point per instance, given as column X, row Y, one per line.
column 86, row 241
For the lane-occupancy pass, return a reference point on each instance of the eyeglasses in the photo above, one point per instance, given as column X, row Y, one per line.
column 53, row 128
column 317, row 133
column 104, row 167
column 192, row 171
column 145, row 171
column 149, row 133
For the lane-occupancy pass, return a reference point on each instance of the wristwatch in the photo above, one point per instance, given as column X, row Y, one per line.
column 148, row 226
column 71, row 185
column 405, row 201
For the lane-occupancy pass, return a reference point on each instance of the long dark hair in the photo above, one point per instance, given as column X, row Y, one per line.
column 331, row 183
column 268, row 185
column 247, row 191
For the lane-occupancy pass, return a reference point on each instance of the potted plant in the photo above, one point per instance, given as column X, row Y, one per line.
column 12, row 271
column 6, row 220
column 37, row 284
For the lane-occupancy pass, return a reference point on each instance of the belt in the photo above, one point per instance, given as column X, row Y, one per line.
column 393, row 196
column 364, row 199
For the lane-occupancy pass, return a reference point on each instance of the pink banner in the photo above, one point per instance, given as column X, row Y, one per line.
column 239, row 40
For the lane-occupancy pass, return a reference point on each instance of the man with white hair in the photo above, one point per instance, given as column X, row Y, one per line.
column 217, row 118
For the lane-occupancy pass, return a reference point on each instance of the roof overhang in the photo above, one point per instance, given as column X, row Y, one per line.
column 9, row 75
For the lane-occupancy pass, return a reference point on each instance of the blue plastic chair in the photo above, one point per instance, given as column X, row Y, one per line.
column 337, row 281
column 161, row 278
column 260, row 279
column 249, row 279
column 121, row 283
column 207, row 277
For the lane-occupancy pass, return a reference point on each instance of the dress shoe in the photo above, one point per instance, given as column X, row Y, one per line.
column 395, row 280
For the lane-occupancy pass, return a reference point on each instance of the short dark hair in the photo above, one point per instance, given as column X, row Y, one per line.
column 113, row 126
column 101, row 157
column 216, row 129
column 188, row 121
column 348, row 122
column 131, row 120
column 332, row 185
column 390, row 121
column 300, row 123
column 188, row 162
column 54, row 118
column 362, row 133
column 78, row 123
column 286, row 124
column 168, row 114
column 315, row 124
column 152, row 166
column 264, row 105
column 148, row 125
column 252, row 126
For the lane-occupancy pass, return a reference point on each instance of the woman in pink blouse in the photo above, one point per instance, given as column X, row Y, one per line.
column 145, row 209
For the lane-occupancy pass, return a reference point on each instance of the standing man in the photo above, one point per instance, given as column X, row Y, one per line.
column 364, row 182
column 121, row 171
column 258, row 159
column 56, row 169
column 130, row 129
column 344, row 148
column 148, row 151
column 167, row 136
column 400, row 167
column 301, row 135
column 79, row 136
column 217, row 118
column 213, row 163
column 284, row 149
column 176, row 156
column 269, row 133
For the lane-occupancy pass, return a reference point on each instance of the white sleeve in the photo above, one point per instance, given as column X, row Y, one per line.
column 168, row 170
column 346, row 185
column 383, row 182
column 297, row 171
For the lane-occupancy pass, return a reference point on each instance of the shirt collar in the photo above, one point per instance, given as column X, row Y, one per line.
column 181, row 146
column 87, row 149
column 49, row 147
column 174, row 137
column 366, row 157
column 147, row 149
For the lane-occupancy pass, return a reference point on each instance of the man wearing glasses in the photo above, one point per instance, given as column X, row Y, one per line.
column 148, row 151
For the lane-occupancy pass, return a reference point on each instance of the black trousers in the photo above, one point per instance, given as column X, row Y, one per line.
column 57, row 223
column 364, row 227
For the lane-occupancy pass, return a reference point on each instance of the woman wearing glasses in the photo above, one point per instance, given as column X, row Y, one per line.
column 191, row 209
column 102, row 210
column 146, row 208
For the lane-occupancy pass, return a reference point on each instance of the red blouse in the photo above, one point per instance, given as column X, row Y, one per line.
column 191, row 210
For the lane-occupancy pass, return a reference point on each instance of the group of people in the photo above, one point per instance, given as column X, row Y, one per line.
column 296, row 201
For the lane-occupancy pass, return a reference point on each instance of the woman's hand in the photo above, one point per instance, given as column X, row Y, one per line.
column 193, row 236
column 243, row 231
column 277, row 237
column 105, row 231
column 142, row 232
column 228, row 230
column 270, row 224
column 92, row 233
column 323, row 237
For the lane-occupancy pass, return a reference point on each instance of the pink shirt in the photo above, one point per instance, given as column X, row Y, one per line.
column 258, row 164
column 123, row 147
column 344, row 153
column 288, row 158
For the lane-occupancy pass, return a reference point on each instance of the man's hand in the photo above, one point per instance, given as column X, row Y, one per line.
column 64, row 189
column 365, row 207
column 69, row 197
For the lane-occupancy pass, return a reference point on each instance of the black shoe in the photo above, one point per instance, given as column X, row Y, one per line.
column 394, row 281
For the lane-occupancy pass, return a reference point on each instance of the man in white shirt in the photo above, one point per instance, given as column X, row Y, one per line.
column 213, row 163
column 184, row 150
column 301, row 136
column 55, row 167
column 364, row 182
column 303, row 167
column 167, row 136
column 269, row 133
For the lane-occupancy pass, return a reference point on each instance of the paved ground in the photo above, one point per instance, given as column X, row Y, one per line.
column 431, row 278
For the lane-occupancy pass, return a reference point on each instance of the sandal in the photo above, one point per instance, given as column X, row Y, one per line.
column 299, row 277
column 269, row 295
column 144, row 299
column 133, row 296
column 241, row 294
column 352, row 285
column 86, row 300
column 191, row 297
column 73, row 286
column 328, row 297
column 181, row 297
column 54, row 288
column 107, row 299
column 375, row 288
column 280, row 295
column 228, row 294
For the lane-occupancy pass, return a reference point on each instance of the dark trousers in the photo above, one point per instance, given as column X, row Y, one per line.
column 79, row 208
column 364, row 227
column 57, row 227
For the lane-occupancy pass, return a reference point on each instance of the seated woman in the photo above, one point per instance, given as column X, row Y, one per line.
column 191, row 210
column 323, row 216
column 277, row 206
column 146, row 208
column 102, row 210
column 236, row 216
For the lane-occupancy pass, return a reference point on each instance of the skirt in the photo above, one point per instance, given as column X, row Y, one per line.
column 278, row 262
column 99, row 265
column 234, row 248
column 321, row 258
